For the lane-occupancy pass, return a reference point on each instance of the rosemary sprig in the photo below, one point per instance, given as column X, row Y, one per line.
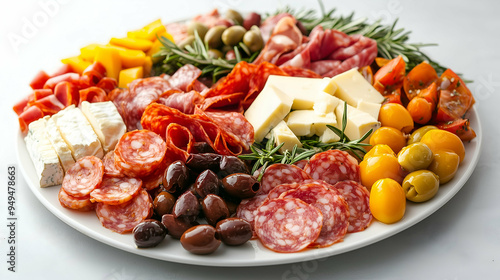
column 391, row 41
column 198, row 55
column 264, row 154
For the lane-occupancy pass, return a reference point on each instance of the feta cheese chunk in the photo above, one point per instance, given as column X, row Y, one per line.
column 369, row 107
column 283, row 134
column 308, row 123
column 77, row 132
column 269, row 108
column 304, row 91
column 358, row 122
column 352, row 87
column 44, row 157
column 59, row 145
column 106, row 122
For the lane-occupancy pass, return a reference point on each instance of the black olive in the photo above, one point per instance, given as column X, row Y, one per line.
column 186, row 206
column 233, row 231
column 149, row 233
column 240, row 185
column 163, row 203
column 230, row 165
column 200, row 240
column 214, row 209
column 176, row 177
column 177, row 226
column 206, row 183
column 200, row 162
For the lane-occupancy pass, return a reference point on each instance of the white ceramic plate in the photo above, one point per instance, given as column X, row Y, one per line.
column 251, row 253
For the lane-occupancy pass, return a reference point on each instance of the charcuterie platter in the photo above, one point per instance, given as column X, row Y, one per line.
column 256, row 137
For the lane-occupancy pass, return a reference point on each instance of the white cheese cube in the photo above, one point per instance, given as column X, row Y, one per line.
column 328, row 136
column 106, row 122
column 61, row 148
column 369, row 107
column 352, row 87
column 304, row 91
column 269, row 108
column 44, row 157
column 308, row 123
column 283, row 134
column 77, row 132
column 358, row 122
column 325, row 104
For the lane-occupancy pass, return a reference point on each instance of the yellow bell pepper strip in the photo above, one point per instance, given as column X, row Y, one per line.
column 130, row 58
column 76, row 63
column 149, row 31
column 110, row 59
column 128, row 75
column 132, row 43
column 88, row 52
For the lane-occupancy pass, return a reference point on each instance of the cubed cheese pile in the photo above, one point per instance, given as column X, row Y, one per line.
column 55, row 143
column 125, row 59
column 290, row 107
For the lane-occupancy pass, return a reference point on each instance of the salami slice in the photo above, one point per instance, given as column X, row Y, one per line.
column 109, row 165
column 138, row 153
column 287, row 225
column 83, row 177
column 248, row 208
column 76, row 203
column 333, row 166
column 124, row 217
column 279, row 189
column 333, row 207
column 115, row 191
column 301, row 163
column 358, row 199
column 279, row 173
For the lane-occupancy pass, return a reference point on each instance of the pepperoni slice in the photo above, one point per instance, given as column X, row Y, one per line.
column 115, row 191
column 109, row 165
column 248, row 208
column 279, row 189
column 358, row 199
column 287, row 225
column 138, row 153
column 76, row 203
column 333, row 166
column 279, row 173
column 83, row 177
column 124, row 217
column 333, row 207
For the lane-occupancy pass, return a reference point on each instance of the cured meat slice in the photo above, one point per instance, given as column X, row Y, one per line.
column 333, row 166
column 224, row 101
column 333, row 207
column 180, row 100
column 124, row 217
column 83, row 177
column 279, row 173
column 107, row 84
column 299, row 72
column 301, row 163
column 92, row 95
column 179, row 141
column 248, row 208
column 185, row 77
column 109, row 165
column 76, row 203
column 287, row 225
column 138, row 153
column 115, row 190
column 279, row 189
column 92, row 75
column 153, row 180
column 235, row 81
column 358, row 199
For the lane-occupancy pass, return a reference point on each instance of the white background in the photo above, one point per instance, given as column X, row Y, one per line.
column 459, row 241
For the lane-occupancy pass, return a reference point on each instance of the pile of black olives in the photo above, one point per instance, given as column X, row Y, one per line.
column 196, row 204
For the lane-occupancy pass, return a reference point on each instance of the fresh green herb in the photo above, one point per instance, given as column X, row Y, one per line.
column 198, row 55
column 391, row 41
column 266, row 153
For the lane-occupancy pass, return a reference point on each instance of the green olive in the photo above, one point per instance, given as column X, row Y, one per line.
column 233, row 15
column 233, row 35
column 186, row 41
column 213, row 38
column 199, row 27
column 445, row 165
column 415, row 156
column 418, row 133
column 421, row 185
column 215, row 53
column 253, row 40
